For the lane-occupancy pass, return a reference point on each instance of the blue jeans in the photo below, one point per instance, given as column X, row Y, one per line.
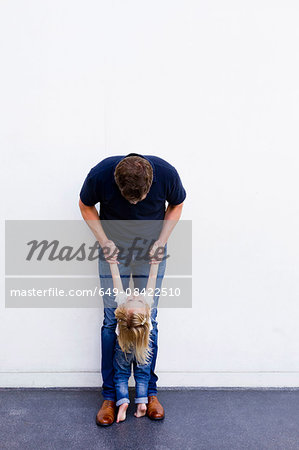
column 140, row 272
column 122, row 364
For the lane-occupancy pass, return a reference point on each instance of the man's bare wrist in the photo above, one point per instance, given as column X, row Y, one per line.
column 161, row 242
column 103, row 242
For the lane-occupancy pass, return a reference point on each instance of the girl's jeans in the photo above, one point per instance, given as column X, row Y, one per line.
column 140, row 272
column 122, row 370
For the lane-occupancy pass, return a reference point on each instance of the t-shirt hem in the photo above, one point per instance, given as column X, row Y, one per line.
column 86, row 203
column 178, row 202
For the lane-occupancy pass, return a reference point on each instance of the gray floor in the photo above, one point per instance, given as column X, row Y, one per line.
column 195, row 419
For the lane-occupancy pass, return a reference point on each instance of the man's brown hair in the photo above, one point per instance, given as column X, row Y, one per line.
column 134, row 176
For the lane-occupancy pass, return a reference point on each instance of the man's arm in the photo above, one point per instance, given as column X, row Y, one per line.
column 172, row 216
column 91, row 217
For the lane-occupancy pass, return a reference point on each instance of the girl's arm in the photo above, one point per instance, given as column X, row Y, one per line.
column 151, row 284
column 117, row 285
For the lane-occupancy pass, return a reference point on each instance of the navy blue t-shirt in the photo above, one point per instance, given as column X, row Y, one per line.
column 100, row 187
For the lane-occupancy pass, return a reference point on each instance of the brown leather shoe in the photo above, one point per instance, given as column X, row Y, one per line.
column 155, row 410
column 106, row 414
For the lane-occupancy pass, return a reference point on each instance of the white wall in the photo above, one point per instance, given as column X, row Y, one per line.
column 212, row 87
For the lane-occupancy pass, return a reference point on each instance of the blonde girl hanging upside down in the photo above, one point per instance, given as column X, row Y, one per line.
column 133, row 344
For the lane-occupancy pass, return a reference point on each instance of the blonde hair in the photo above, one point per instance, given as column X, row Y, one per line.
column 134, row 331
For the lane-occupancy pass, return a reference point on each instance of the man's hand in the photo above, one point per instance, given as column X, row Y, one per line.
column 110, row 252
column 156, row 252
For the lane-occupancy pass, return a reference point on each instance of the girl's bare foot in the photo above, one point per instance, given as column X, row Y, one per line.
column 141, row 410
column 122, row 411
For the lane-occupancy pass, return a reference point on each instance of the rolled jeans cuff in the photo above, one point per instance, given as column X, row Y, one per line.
column 141, row 400
column 121, row 401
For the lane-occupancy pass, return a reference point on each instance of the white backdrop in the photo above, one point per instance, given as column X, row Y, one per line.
column 210, row 86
